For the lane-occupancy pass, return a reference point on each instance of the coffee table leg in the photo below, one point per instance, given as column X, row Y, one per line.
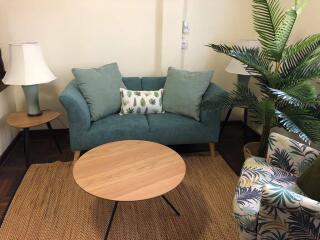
column 111, row 220
column 170, row 204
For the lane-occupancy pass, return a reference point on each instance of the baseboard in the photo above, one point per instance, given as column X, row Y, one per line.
column 6, row 152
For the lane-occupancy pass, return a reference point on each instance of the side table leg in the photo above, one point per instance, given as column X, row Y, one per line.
column 111, row 220
column 26, row 146
column 225, row 121
column 54, row 137
column 170, row 204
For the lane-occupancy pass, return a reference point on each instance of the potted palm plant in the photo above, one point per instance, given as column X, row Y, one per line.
column 284, row 73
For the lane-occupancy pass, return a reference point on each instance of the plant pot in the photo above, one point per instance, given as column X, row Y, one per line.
column 251, row 150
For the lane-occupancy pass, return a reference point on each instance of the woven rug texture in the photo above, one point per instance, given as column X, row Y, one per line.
column 49, row 205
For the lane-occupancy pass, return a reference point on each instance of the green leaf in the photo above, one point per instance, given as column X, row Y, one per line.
column 255, row 61
column 129, row 93
column 300, row 122
column 286, row 98
column 295, row 54
column 143, row 102
column 267, row 15
column 282, row 34
column 304, row 99
column 305, row 92
column 152, row 101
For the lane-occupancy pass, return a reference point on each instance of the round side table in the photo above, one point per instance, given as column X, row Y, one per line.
column 21, row 120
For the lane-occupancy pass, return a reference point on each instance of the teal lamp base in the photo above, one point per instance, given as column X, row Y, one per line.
column 31, row 93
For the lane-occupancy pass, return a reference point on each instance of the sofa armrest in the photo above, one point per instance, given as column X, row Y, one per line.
column 288, row 214
column 76, row 107
column 211, row 117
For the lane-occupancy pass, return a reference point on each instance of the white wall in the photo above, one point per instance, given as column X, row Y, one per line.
column 143, row 36
column 85, row 33
column 219, row 22
column 7, row 105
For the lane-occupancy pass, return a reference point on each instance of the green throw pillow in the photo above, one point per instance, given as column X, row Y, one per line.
column 101, row 89
column 183, row 91
column 309, row 181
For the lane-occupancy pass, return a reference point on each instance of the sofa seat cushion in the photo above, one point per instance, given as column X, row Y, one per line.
column 116, row 128
column 170, row 128
column 255, row 174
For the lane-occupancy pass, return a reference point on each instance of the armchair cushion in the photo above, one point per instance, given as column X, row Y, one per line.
column 287, row 214
column 290, row 155
column 255, row 174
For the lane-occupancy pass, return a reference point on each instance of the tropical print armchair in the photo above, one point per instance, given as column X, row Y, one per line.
column 268, row 204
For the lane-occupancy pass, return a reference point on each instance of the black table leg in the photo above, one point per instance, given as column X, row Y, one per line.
column 111, row 220
column 54, row 137
column 225, row 121
column 170, row 204
column 26, row 146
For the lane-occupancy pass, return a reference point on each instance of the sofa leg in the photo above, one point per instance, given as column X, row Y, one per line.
column 212, row 147
column 76, row 156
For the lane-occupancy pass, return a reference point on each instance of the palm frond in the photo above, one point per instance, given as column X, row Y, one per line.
column 267, row 15
column 296, row 53
column 243, row 96
column 293, row 98
column 308, row 71
column 252, row 58
column 300, row 122
column 305, row 92
column 282, row 34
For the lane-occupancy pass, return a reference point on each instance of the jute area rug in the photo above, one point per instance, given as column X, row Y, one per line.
column 49, row 205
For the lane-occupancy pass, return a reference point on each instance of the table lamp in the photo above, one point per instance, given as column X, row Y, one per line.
column 237, row 67
column 28, row 68
column 2, row 71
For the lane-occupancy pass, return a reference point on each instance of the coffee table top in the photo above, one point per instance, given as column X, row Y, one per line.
column 129, row 170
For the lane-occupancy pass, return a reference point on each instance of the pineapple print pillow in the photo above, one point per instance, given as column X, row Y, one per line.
column 141, row 102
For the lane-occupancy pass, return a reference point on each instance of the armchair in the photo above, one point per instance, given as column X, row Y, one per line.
column 268, row 203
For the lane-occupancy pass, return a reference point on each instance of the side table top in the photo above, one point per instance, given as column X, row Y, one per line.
column 22, row 120
column 129, row 170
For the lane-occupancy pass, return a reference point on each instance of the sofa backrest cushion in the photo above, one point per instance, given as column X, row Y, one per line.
column 132, row 83
column 144, row 83
column 152, row 83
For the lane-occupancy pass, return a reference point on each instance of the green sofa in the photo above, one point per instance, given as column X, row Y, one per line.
column 167, row 128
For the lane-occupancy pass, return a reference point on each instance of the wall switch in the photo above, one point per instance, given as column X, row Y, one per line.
column 185, row 27
column 184, row 45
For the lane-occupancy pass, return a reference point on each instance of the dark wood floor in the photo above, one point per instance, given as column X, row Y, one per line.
column 43, row 150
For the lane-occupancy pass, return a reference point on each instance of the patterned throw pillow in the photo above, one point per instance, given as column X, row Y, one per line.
column 141, row 102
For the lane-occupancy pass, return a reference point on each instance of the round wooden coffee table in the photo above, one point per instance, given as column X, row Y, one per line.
column 129, row 170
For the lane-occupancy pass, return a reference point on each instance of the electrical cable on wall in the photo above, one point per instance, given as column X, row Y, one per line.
column 185, row 31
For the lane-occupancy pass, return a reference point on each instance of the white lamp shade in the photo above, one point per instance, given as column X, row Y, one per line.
column 237, row 67
column 27, row 65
